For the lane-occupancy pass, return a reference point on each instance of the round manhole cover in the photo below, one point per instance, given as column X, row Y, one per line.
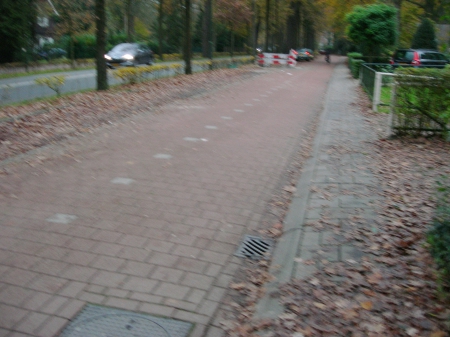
column 116, row 325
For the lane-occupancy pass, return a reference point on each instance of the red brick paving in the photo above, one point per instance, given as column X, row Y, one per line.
column 163, row 244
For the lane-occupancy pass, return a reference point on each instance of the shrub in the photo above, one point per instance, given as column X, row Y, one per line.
column 355, row 55
column 425, row 36
column 84, row 46
column 355, row 66
column 422, row 100
column 132, row 75
column 53, row 82
column 438, row 236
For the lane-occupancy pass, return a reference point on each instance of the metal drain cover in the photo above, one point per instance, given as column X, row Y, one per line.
column 98, row 321
column 255, row 248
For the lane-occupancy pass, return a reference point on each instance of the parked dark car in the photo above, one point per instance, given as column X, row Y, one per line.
column 129, row 54
column 55, row 53
column 418, row 58
column 305, row 54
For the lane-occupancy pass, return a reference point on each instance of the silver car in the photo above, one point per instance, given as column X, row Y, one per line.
column 129, row 54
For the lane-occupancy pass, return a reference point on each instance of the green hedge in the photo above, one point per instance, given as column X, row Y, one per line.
column 84, row 46
column 355, row 55
column 422, row 100
column 354, row 63
column 132, row 75
column 439, row 235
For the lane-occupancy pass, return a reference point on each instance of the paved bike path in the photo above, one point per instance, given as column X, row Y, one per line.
column 146, row 215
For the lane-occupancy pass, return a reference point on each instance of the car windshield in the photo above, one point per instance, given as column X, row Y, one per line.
column 123, row 48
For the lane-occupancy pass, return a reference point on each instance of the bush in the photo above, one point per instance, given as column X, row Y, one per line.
column 53, row 82
column 85, row 46
column 355, row 55
column 132, row 75
column 425, row 36
column 354, row 63
column 438, row 236
column 422, row 100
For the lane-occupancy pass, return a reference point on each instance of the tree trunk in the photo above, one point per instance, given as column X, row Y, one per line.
column 187, row 38
column 100, row 23
column 129, row 20
column 71, row 42
column 208, row 31
column 292, row 31
column 160, row 29
column 253, row 30
column 266, row 46
column 231, row 44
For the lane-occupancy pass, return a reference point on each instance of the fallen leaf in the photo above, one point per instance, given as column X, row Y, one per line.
column 438, row 334
column 374, row 278
column 368, row 305
column 412, row 332
column 320, row 305
column 368, row 292
column 238, row 286
column 290, row 189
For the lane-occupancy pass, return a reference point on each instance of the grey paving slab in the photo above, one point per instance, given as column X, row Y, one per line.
column 335, row 186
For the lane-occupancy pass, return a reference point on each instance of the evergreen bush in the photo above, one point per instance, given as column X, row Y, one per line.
column 354, row 63
column 438, row 236
column 425, row 36
column 85, row 46
column 422, row 100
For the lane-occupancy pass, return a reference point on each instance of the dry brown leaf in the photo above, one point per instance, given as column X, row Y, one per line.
column 438, row 334
column 368, row 305
column 320, row 305
column 374, row 278
column 290, row 189
column 238, row 286
column 368, row 292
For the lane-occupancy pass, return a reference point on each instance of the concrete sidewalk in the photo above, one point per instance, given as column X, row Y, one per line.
column 335, row 192
column 146, row 215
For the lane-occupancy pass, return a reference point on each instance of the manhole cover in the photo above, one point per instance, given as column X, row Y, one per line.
column 98, row 321
column 254, row 247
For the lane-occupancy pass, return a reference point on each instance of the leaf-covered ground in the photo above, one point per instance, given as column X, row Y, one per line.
column 392, row 291
column 30, row 126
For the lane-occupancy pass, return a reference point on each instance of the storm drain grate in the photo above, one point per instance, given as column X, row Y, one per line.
column 255, row 248
column 98, row 321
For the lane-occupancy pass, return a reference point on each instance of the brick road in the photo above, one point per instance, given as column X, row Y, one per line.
column 147, row 214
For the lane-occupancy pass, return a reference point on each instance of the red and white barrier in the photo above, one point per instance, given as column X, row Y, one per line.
column 267, row 59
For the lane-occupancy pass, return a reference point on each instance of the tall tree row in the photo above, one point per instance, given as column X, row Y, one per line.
column 17, row 22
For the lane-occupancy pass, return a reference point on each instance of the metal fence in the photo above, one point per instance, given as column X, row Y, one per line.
column 373, row 77
column 380, row 83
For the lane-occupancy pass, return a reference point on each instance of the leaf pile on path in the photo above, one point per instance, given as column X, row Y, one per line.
column 392, row 289
column 26, row 127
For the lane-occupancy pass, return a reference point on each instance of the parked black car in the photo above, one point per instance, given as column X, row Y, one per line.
column 419, row 57
column 129, row 54
column 55, row 53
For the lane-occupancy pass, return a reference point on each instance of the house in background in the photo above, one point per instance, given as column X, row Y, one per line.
column 45, row 26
